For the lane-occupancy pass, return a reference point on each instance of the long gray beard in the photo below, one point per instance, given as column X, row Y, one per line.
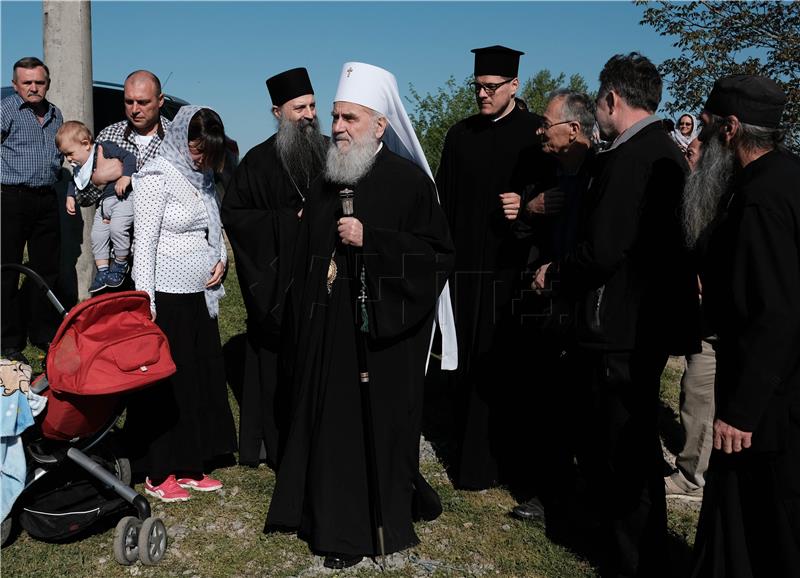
column 347, row 167
column 705, row 187
column 301, row 148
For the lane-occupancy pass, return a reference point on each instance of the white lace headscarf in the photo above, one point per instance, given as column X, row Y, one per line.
column 175, row 149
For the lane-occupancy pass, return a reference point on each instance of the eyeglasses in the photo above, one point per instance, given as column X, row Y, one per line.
column 684, row 124
column 490, row 87
column 547, row 125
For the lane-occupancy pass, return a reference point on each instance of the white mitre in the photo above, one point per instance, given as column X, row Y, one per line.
column 376, row 89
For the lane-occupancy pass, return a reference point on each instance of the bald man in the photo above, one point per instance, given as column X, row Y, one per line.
column 144, row 128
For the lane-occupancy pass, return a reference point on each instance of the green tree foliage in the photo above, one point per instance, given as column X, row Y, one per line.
column 535, row 90
column 434, row 114
column 721, row 38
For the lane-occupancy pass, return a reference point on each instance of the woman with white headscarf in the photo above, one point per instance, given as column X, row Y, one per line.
column 179, row 425
column 686, row 130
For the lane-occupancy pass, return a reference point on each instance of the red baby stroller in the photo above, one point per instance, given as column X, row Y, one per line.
column 105, row 347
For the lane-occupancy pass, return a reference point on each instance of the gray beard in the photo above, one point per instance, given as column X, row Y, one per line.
column 705, row 187
column 301, row 149
column 347, row 167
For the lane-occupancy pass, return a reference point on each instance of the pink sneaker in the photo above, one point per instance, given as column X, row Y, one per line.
column 166, row 491
column 206, row 484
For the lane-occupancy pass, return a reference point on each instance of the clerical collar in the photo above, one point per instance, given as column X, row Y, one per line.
column 509, row 113
column 380, row 146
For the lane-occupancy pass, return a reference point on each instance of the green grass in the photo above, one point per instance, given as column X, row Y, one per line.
column 220, row 534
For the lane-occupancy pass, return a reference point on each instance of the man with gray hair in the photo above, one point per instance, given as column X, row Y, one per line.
column 401, row 254
column 261, row 213
column 550, row 217
column 31, row 165
column 750, row 521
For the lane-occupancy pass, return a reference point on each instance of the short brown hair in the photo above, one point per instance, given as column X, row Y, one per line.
column 29, row 63
column 74, row 130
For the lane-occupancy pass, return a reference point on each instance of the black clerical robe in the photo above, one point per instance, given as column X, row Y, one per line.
column 259, row 213
column 750, row 522
column 322, row 489
column 482, row 158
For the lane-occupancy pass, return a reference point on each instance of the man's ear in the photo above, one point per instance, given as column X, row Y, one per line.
column 730, row 128
column 611, row 100
column 276, row 111
column 380, row 127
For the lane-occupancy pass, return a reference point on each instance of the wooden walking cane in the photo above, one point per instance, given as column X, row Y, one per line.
column 346, row 198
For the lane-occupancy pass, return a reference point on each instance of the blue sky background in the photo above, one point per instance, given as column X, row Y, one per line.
column 220, row 53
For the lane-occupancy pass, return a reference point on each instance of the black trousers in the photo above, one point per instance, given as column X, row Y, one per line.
column 620, row 454
column 182, row 423
column 29, row 217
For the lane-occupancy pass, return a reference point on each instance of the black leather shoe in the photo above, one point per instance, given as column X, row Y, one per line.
column 341, row 561
column 532, row 510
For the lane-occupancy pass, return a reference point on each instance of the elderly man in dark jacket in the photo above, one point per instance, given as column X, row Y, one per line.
column 750, row 521
column 637, row 304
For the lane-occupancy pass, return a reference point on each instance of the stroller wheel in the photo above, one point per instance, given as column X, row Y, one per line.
column 152, row 541
column 107, row 455
column 126, row 540
column 6, row 530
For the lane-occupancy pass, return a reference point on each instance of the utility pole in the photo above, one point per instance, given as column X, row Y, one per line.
column 68, row 54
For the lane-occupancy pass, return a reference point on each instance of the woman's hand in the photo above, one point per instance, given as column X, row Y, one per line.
column 216, row 274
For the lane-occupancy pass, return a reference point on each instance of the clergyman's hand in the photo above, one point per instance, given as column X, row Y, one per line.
column 539, row 279
column 729, row 439
column 351, row 231
column 510, row 202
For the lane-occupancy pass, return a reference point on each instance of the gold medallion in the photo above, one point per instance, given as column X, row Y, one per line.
column 332, row 270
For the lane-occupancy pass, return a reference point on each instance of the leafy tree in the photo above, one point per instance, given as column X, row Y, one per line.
column 535, row 90
column 435, row 113
column 720, row 38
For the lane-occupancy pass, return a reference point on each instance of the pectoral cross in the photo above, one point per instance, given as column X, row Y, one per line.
column 349, row 70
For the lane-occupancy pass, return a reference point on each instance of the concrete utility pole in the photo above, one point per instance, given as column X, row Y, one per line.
column 68, row 55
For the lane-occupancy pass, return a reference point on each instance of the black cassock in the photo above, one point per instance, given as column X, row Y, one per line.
column 480, row 160
column 750, row 521
column 259, row 213
column 322, row 489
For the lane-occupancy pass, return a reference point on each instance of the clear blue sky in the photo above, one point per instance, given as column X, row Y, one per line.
column 220, row 53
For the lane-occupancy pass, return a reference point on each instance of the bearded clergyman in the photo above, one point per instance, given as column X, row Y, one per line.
column 745, row 216
column 387, row 295
column 261, row 213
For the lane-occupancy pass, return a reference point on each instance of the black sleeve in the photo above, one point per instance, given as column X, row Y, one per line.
column 766, row 290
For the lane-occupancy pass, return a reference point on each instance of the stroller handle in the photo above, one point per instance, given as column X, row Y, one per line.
column 40, row 283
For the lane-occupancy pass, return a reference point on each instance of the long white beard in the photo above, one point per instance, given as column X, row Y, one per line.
column 705, row 187
column 346, row 167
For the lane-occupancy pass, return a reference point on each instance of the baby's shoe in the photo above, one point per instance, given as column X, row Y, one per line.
column 116, row 273
column 100, row 281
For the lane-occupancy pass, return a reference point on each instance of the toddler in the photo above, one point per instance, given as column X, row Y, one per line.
column 114, row 216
